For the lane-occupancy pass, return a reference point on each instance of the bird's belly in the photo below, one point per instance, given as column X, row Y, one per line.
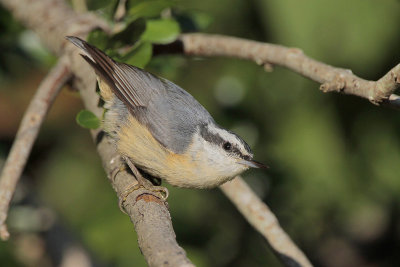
column 135, row 141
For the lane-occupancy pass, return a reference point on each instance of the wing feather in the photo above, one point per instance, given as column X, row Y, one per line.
column 171, row 114
column 112, row 72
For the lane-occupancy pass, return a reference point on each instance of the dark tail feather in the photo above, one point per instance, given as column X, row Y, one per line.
column 76, row 41
column 109, row 71
column 99, row 60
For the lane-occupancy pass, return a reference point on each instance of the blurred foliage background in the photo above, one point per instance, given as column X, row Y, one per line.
column 334, row 177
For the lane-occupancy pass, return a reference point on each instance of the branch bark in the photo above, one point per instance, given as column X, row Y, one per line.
column 331, row 78
column 26, row 136
column 150, row 215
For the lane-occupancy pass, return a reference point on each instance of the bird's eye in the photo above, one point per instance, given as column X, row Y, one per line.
column 227, row 146
column 246, row 157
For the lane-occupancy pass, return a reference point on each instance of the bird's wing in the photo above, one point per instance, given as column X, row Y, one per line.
column 170, row 113
column 174, row 116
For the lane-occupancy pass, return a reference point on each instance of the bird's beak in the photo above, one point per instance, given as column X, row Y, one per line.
column 253, row 164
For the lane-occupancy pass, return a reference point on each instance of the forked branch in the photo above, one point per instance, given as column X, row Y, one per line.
column 330, row 78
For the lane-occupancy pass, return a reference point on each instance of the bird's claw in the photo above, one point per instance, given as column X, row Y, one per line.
column 160, row 192
column 142, row 183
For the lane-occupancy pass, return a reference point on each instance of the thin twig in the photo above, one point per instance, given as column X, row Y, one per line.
column 331, row 78
column 79, row 5
column 26, row 136
column 120, row 12
column 261, row 218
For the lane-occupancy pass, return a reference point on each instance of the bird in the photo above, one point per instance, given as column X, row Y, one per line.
column 162, row 129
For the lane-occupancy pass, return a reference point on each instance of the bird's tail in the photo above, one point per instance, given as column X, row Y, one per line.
column 120, row 77
column 101, row 63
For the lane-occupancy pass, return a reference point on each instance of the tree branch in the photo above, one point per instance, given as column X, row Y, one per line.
column 26, row 136
column 264, row 221
column 331, row 78
column 150, row 215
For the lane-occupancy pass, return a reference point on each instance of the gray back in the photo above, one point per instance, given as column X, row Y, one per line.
column 171, row 114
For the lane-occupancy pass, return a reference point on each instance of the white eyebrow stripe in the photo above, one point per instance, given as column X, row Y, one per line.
column 230, row 137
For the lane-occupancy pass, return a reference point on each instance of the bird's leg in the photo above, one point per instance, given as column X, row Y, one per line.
column 118, row 169
column 142, row 182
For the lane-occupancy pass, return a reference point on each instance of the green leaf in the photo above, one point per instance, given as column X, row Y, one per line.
column 140, row 55
column 201, row 19
column 129, row 35
column 104, row 8
column 87, row 119
column 193, row 21
column 98, row 38
column 161, row 31
column 148, row 9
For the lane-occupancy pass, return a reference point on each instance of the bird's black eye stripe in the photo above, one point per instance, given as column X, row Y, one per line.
column 227, row 146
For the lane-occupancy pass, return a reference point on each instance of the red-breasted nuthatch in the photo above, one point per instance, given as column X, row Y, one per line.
column 162, row 129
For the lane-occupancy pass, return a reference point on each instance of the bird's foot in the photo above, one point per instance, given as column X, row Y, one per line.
column 142, row 183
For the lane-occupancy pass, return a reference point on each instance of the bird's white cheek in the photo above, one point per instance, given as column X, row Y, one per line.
column 212, row 162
